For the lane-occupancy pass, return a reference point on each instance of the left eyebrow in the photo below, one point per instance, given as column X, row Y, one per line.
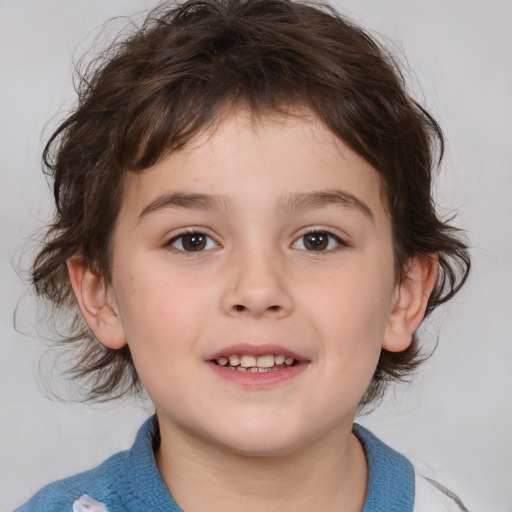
column 321, row 199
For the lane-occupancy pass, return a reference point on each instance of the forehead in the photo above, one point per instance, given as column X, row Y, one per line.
column 249, row 160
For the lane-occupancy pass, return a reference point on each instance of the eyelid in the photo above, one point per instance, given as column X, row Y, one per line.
column 190, row 231
column 340, row 240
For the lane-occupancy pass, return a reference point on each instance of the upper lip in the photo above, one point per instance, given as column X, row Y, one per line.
column 255, row 350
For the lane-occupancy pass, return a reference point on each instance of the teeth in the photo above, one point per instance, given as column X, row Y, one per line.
column 265, row 361
column 255, row 364
column 247, row 361
column 234, row 360
column 254, row 369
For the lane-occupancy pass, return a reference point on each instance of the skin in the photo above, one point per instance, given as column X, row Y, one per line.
column 240, row 446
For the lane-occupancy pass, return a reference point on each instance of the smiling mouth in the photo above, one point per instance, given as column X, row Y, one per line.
column 255, row 364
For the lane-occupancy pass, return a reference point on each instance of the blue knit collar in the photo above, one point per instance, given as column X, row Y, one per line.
column 391, row 476
column 390, row 486
column 152, row 491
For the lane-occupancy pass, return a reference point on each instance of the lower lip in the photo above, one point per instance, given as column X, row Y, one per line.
column 258, row 379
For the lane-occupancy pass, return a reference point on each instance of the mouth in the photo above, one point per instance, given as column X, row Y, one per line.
column 255, row 364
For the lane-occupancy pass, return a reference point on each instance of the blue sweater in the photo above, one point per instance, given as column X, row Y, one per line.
column 130, row 482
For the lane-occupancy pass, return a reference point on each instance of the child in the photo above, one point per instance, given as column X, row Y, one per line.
column 244, row 217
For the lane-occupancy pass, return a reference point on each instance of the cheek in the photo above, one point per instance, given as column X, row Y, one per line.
column 162, row 323
column 349, row 312
column 352, row 329
column 162, row 319
column 352, row 309
column 154, row 299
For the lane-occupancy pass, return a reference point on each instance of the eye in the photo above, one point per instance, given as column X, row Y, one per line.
column 318, row 241
column 194, row 241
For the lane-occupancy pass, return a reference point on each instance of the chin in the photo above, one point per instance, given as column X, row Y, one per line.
column 260, row 442
column 261, row 450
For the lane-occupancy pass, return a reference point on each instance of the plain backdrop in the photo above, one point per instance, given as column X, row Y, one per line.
column 457, row 413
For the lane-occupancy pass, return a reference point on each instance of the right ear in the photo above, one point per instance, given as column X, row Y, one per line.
column 97, row 304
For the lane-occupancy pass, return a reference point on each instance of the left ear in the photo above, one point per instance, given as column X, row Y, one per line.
column 410, row 302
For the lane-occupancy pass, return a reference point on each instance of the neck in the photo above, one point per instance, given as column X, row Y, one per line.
column 328, row 474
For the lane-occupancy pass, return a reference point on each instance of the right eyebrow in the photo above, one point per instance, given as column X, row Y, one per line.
column 186, row 200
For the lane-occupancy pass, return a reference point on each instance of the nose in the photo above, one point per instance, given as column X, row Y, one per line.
column 257, row 287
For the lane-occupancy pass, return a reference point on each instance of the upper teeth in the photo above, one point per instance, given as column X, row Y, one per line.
column 248, row 361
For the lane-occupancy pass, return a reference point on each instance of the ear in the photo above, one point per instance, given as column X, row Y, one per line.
column 410, row 302
column 97, row 304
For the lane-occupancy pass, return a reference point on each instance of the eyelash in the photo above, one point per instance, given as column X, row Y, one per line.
column 182, row 236
column 340, row 243
column 329, row 238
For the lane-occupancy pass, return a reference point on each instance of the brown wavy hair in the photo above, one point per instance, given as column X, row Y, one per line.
column 175, row 75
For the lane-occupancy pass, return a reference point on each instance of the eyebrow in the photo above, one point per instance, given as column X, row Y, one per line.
column 321, row 199
column 289, row 203
column 186, row 200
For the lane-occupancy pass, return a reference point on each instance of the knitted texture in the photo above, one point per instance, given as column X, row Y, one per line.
column 127, row 482
column 390, row 478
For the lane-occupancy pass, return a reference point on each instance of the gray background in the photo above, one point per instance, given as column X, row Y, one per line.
column 457, row 414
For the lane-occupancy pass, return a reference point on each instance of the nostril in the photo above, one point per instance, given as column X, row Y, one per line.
column 254, row 309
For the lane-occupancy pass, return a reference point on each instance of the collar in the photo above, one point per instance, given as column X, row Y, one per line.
column 152, row 492
column 390, row 476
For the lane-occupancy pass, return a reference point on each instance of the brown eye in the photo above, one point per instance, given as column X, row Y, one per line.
column 192, row 242
column 316, row 241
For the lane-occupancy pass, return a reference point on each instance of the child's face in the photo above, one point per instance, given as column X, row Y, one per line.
column 259, row 197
